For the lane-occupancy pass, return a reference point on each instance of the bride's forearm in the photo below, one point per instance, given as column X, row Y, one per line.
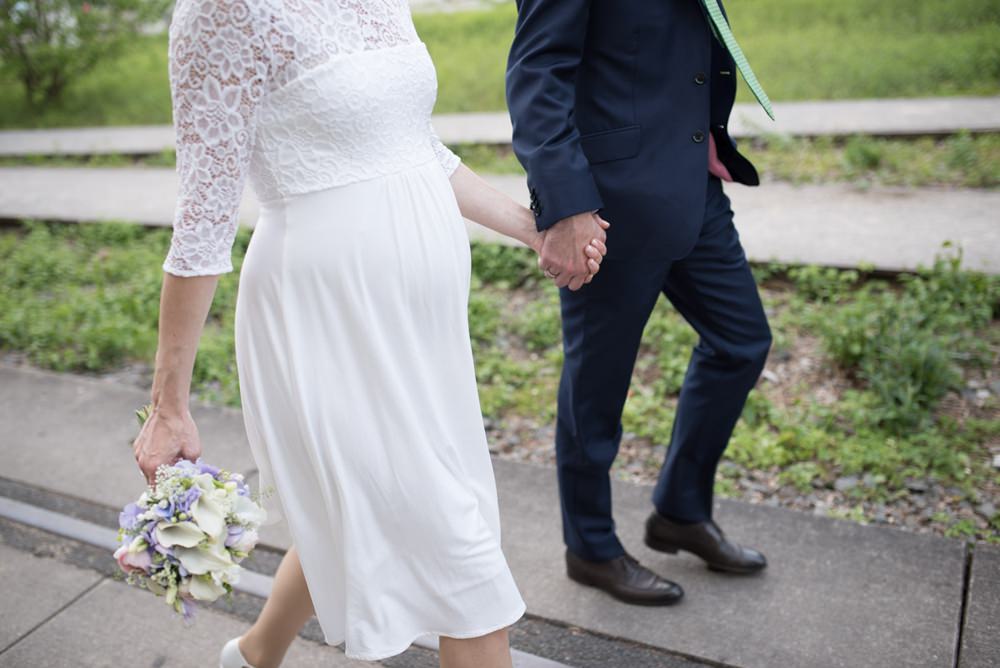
column 483, row 204
column 184, row 304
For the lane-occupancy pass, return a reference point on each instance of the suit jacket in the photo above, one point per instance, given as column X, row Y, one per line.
column 611, row 103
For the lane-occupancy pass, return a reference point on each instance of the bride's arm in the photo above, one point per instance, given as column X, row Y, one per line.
column 483, row 204
column 216, row 85
column 169, row 432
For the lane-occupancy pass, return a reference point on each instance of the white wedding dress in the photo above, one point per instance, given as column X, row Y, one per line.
column 352, row 342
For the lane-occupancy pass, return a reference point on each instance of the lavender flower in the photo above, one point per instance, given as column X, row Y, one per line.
column 184, row 538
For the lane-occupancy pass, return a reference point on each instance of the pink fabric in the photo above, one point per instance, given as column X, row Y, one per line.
column 715, row 166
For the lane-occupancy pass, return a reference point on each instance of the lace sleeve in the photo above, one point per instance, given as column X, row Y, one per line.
column 218, row 64
column 449, row 161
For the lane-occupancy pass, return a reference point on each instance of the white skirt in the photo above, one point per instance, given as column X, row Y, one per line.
column 361, row 409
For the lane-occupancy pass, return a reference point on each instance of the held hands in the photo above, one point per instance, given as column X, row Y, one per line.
column 570, row 252
column 165, row 439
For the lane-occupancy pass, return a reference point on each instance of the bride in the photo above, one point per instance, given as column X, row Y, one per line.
column 352, row 344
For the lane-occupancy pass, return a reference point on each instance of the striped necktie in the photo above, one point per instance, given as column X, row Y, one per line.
column 721, row 29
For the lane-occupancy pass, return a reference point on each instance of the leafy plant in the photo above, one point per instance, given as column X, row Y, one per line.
column 46, row 44
column 905, row 344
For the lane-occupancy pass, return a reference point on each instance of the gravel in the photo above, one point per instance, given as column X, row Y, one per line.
column 845, row 484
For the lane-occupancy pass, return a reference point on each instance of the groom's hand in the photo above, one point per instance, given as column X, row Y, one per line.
column 563, row 254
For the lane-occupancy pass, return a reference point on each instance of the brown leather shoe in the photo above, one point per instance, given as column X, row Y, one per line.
column 625, row 579
column 705, row 540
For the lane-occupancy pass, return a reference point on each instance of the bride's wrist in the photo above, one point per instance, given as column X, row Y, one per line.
column 170, row 400
column 528, row 231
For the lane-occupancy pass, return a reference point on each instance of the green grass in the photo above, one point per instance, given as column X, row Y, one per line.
column 800, row 49
column 963, row 160
column 817, row 49
column 85, row 298
column 130, row 90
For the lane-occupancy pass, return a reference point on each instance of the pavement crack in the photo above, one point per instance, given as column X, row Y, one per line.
column 963, row 613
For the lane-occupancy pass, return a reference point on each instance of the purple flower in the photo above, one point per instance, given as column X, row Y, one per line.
column 207, row 468
column 186, row 467
column 166, row 512
column 186, row 499
column 149, row 533
column 187, row 609
column 127, row 517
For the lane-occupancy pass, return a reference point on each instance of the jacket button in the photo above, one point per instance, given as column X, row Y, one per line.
column 535, row 205
column 699, row 78
column 698, row 137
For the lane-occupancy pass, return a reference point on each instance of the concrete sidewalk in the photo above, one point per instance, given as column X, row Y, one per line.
column 55, row 615
column 889, row 117
column 835, row 225
column 836, row 594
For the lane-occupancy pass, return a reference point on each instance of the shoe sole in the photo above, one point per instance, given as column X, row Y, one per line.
column 587, row 582
column 670, row 548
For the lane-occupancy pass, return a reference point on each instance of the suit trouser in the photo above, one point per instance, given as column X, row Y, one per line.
column 713, row 289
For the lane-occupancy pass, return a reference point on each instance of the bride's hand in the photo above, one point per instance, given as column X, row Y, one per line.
column 165, row 438
column 595, row 252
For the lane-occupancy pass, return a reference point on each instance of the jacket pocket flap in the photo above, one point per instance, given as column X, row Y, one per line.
column 611, row 144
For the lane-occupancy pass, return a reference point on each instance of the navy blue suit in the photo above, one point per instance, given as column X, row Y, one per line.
column 611, row 103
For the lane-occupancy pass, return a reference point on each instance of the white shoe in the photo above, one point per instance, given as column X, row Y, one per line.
column 231, row 657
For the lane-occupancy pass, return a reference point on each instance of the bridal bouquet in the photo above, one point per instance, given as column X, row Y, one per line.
column 185, row 539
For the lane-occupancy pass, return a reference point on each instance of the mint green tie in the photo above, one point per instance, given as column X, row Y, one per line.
column 721, row 28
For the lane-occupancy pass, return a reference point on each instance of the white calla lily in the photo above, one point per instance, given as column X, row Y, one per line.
column 205, row 558
column 247, row 511
column 183, row 534
column 205, row 481
column 209, row 514
column 231, row 575
column 204, row 588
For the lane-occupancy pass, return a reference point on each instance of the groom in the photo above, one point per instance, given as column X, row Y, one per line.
column 621, row 107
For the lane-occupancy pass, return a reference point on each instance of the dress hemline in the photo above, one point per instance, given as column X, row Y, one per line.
column 462, row 635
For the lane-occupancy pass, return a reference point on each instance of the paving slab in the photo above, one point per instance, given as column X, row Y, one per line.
column 34, row 590
column 116, row 624
column 981, row 633
column 64, row 433
column 835, row 594
column 887, row 117
column 835, row 118
column 834, row 225
column 146, row 196
column 842, row 225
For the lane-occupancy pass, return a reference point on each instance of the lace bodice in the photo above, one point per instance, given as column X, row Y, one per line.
column 294, row 96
